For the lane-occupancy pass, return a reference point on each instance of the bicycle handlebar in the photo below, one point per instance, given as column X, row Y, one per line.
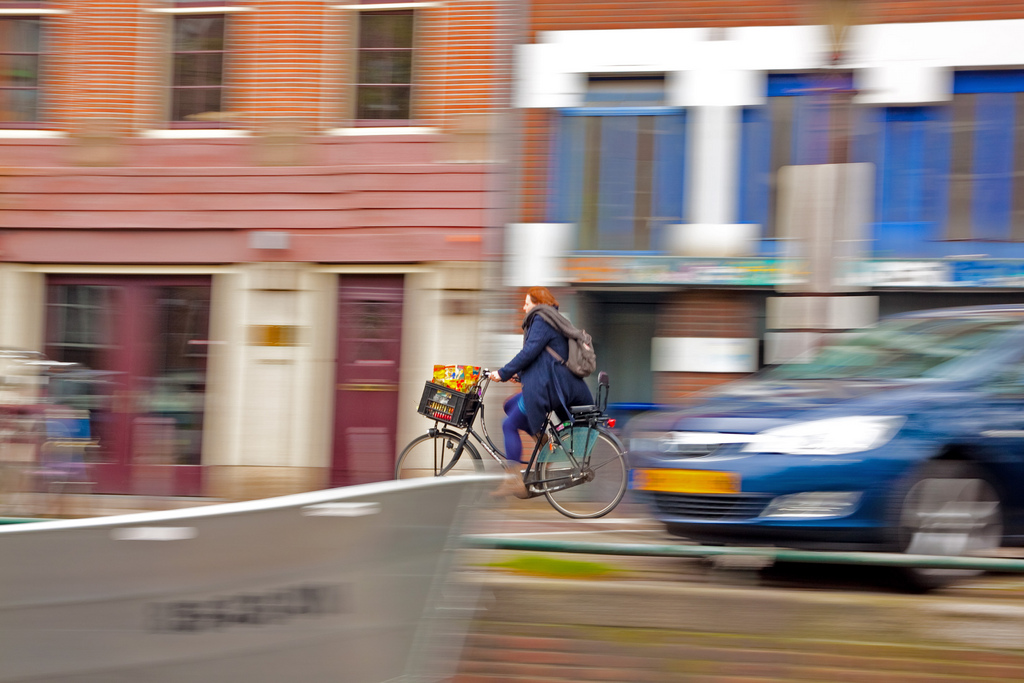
column 485, row 381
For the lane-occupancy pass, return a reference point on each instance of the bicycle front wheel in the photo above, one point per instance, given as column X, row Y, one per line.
column 435, row 456
column 604, row 480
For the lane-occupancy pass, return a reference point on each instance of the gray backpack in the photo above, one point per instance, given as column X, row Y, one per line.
column 582, row 360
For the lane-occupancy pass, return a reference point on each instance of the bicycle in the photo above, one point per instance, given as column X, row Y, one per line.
column 579, row 465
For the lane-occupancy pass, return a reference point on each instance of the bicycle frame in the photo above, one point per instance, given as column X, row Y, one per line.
column 534, row 485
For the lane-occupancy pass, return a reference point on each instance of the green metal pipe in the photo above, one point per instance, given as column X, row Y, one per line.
column 996, row 564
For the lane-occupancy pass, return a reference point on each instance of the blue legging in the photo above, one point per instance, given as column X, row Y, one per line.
column 515, row 409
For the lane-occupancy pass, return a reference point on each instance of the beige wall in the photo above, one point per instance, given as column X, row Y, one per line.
column 270, row 409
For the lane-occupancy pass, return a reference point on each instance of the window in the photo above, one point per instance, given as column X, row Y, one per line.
column 384, row 66
column 986, row 175
column 803, row 122
column 197, row 81
column 951, row 173
column 20, row 58
column 910, row 148
column 618, row 165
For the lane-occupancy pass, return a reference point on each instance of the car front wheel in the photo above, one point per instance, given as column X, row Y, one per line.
column 948, row 508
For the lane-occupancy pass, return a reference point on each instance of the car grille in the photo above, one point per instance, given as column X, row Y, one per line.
column 711, row 507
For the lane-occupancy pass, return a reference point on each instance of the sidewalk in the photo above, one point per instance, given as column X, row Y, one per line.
column 77, row 505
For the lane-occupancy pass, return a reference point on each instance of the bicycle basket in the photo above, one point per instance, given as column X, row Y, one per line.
column 447, row 405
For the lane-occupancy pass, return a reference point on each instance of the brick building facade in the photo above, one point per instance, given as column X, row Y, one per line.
column 256, row 225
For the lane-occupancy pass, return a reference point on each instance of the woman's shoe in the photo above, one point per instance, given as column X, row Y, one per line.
column 512, row 484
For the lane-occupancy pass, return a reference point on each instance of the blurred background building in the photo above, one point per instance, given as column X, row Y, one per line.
column 714, row 186
column 256, row 225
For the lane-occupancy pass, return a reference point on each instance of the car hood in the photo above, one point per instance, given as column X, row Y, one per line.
column 750, row 406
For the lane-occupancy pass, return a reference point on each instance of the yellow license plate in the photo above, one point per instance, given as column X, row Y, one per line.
column 686, row 481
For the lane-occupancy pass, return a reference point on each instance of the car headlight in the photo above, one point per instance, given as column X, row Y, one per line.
column 832, row 436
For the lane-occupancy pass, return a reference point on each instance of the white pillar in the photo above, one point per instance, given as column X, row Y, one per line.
column 714, row 164
column 22, row 308
column 271, row 380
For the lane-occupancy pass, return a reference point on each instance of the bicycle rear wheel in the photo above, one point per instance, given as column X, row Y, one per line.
column 433, row 455
column 605, row 479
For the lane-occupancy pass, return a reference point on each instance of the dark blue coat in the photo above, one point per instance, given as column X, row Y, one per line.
column 547, row 384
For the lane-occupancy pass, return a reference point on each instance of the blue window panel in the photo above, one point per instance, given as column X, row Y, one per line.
column 601, row 183
column 865, row 122
column 903, row 184
column 667, row 203
column 565, row 197
column 872, row 150
column 617, row 184
column 992, row 81
column 992, row 198
column 786, row 85
column 938, row 154
column 791, row 85
column 911, row 178
column 812, row 130
column 621, row 111
column 807, row 137
column 755, row 165
column 635, row 99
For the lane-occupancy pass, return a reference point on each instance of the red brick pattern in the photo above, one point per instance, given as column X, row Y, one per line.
column 277, row 53
column 706, row 313
column 460, row 44
column 534, row 158
column 287, row 59
column 700, row 313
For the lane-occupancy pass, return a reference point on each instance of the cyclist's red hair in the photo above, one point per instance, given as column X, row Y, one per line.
column 541, row 295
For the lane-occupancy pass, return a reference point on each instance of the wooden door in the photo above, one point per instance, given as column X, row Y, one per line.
column 366, row 399
column 142, row 345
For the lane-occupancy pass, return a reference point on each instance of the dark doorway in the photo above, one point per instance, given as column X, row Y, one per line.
column 142, row 344
column 366, row 398
column 622, row 325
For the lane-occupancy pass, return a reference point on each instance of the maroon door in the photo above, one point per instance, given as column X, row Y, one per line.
column 366, row 399
column 142, row 345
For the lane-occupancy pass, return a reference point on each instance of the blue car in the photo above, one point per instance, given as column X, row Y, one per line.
column 907, row 436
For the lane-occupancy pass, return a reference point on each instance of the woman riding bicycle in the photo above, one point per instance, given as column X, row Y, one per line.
column 547, row 384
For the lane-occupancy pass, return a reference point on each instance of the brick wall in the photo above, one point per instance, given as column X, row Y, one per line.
column 706, row 313
column 534, row 158
column 461, row 61
column 287, row 58
column 279, row 57
column 701, row 313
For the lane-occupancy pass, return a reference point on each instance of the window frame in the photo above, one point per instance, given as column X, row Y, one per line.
column 175, row 90
column 357, row 11
column 991, row 209
column 183, row 8
column 935, row 192
column 564, row 205
column 759, row 156
column 31, row 10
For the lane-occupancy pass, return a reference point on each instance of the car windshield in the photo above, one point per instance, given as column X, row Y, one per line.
column 901, row 349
